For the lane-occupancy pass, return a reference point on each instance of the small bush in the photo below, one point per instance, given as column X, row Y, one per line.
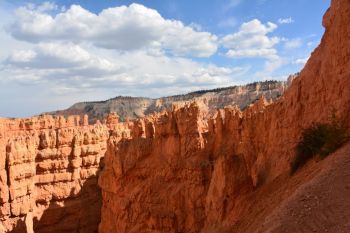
column 321, row 139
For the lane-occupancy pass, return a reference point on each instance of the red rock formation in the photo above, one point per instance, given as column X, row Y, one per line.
column 176, row 173
column 48, row 174
column 138, row 107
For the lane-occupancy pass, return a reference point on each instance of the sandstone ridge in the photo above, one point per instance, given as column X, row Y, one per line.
column 209, row 100
column 48, row 169
column 184, row 170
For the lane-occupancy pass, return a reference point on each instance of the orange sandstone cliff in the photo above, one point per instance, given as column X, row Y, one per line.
column 177, row 171
column 48, row 174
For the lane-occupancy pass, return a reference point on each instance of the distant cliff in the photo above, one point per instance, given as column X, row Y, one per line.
column 210, row 100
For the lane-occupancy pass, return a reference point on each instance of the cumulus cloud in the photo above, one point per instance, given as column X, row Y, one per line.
column 121, row 28
column 76, row 55
column 46, row 6
column 73, row 67
column 252, row 41
column 285, row 20
column 59, row 67
column 61, row 58
column 121, row 50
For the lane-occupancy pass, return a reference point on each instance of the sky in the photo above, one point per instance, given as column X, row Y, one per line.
column 56, row 53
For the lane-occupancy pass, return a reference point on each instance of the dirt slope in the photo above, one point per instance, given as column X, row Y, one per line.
column 321, row 204
column 315, row 199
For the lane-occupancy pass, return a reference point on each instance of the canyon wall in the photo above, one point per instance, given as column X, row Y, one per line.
column 180, row 173
column 48, row 174
column 209, row 100
column 175, row 171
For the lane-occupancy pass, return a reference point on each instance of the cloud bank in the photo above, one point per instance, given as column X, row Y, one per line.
column 75, row 54
column 120, row 28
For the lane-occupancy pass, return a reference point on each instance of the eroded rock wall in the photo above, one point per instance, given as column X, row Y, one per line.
column 174, row 171
column 48, row 172
column 209, row 100
column 178, row 173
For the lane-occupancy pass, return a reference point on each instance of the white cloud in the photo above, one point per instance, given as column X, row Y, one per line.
column 47, row 6
column 22, row 56
column 293, row 43
column 67, row 53
column 120, row 28
column 59, row 55
column 285, row 20
column 60, row 58
column 196, row 26
column 252, row 41
column 8, row 44
column 73, row 67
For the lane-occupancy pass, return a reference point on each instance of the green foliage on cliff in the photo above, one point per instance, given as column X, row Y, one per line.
column 320, row 139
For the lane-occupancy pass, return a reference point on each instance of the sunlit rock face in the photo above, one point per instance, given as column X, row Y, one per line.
column 184, row 170
column 209, row 101
column 179, row 172
column 49, row 169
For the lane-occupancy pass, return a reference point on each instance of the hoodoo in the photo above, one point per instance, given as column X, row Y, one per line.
column 179, row 173
column 49, row 169
column 182, row 171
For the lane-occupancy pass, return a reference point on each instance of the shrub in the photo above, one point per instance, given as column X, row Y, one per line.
column 320, row 139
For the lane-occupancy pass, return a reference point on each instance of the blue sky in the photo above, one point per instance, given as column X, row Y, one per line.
column 56, row 53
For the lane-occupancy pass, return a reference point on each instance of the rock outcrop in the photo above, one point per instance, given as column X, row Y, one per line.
column 182, row 170
column 179, row 173
column 209, row 100
column 48, row 172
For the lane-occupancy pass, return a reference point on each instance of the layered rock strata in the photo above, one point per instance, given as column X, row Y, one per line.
column 48, row 172
column 209, row 100
column 179, row 173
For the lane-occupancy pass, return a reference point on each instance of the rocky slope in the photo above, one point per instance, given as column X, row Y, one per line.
column 210, row 100
column 180, row 173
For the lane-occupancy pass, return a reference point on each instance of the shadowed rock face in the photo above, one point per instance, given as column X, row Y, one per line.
column 209, row 100
column 182, row 170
